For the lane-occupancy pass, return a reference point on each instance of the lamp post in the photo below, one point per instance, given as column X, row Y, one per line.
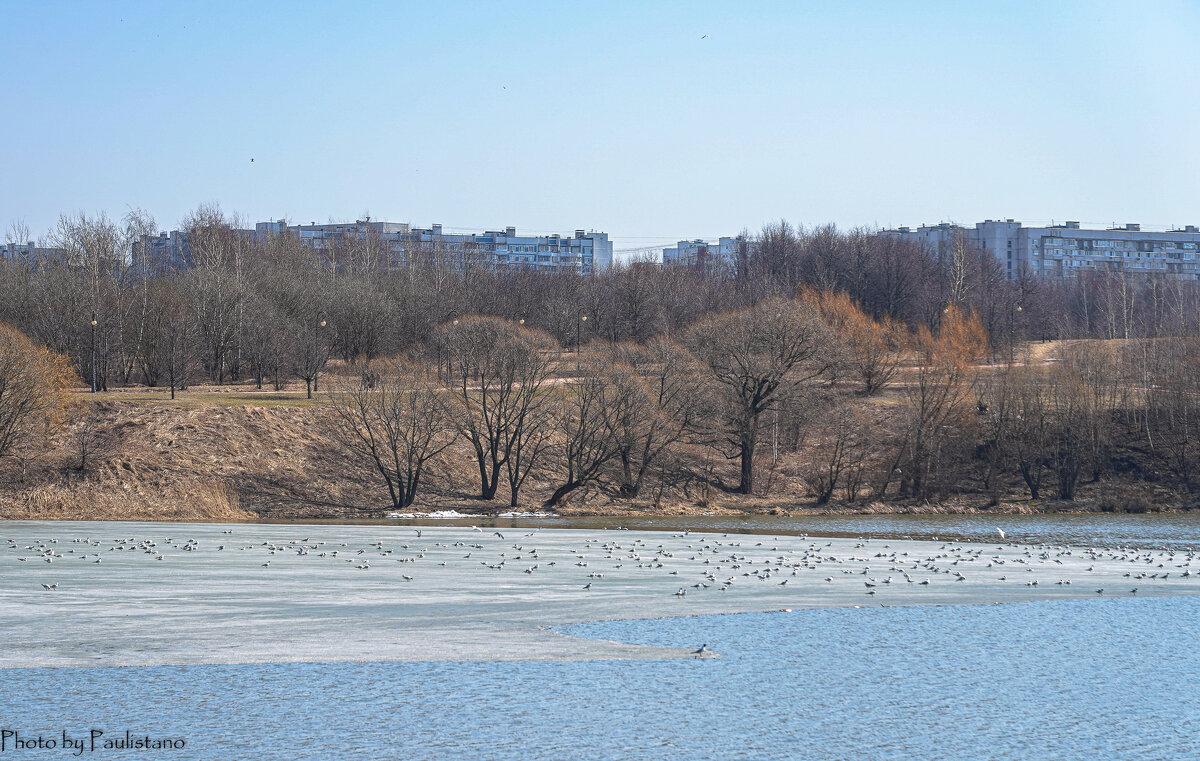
column 93, row 352
column 578, row 339
column 452, row 317
column 1012, row 333
column 316, row 347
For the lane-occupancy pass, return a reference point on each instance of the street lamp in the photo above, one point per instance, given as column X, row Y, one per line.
column 93, row 352
column 578, row 326
column 1012, row 332
column 317, row 348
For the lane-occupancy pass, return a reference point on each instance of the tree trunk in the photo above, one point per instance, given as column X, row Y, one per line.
column 746, row 484
column 1034, row 484
column 561, row 492
column 488, row 484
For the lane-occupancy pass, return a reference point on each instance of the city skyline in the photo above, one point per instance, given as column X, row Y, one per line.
column 655, row 124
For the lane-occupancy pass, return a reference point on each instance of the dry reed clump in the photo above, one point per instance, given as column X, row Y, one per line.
column 209, row 501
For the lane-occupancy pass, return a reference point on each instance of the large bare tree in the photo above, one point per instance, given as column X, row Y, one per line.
column 168, row 345
column 755, row 355
column 498, row 372
column 599, row 403
column 397, row 424
column 671, row 379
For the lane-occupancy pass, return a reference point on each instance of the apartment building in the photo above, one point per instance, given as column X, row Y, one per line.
column 583, row 252
column 1068, row 249
column 30, row 252
column 727, row 252
column 397, row 244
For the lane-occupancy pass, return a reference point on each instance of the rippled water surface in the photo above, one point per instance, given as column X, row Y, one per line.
column 1090, row 679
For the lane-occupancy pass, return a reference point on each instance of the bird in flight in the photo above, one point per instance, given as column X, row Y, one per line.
column 704, row 36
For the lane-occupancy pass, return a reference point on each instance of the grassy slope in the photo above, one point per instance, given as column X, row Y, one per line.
column 231, row 452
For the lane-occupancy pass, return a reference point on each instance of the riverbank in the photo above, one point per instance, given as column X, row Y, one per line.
column 244, row 456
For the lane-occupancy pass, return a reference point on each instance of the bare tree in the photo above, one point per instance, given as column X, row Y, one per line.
column 935, row 400
column 93, row 249
column 872, row 348
column 312, row 340
column 839, row 456
column 398, row 425
column 754, row 355
column 670, row 377
column 168, row 347
column 588, row 418
column 264, row 342
column 497, row 372
column 140, row 228
column 1017, row 417
column 1070, row 409
column 215, row 286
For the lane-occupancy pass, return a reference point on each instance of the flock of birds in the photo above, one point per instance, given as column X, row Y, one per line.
column 677, row 564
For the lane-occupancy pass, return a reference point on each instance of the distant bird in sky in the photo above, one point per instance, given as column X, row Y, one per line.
column 251, row 159
column 704, row 37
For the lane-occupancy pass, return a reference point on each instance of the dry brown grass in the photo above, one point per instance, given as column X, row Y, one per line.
column 237, row 453
column 98, row 500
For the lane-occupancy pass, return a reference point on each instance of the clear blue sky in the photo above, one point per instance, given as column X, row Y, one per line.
column 612, row 116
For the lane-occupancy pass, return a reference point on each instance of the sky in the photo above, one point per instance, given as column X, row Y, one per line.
column 650, row 121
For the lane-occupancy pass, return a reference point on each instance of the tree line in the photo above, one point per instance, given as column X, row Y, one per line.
column 856, row 365
column 273, row 309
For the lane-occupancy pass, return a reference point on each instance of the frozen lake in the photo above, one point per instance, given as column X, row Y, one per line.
column 285, row 641
column 172, row 594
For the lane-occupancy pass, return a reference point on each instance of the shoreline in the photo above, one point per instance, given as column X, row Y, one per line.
column 471, row 511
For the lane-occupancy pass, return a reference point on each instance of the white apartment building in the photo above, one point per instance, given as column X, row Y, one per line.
column 30, row 252
column 584, row 252
column 1066, row 250
column 701, row 253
